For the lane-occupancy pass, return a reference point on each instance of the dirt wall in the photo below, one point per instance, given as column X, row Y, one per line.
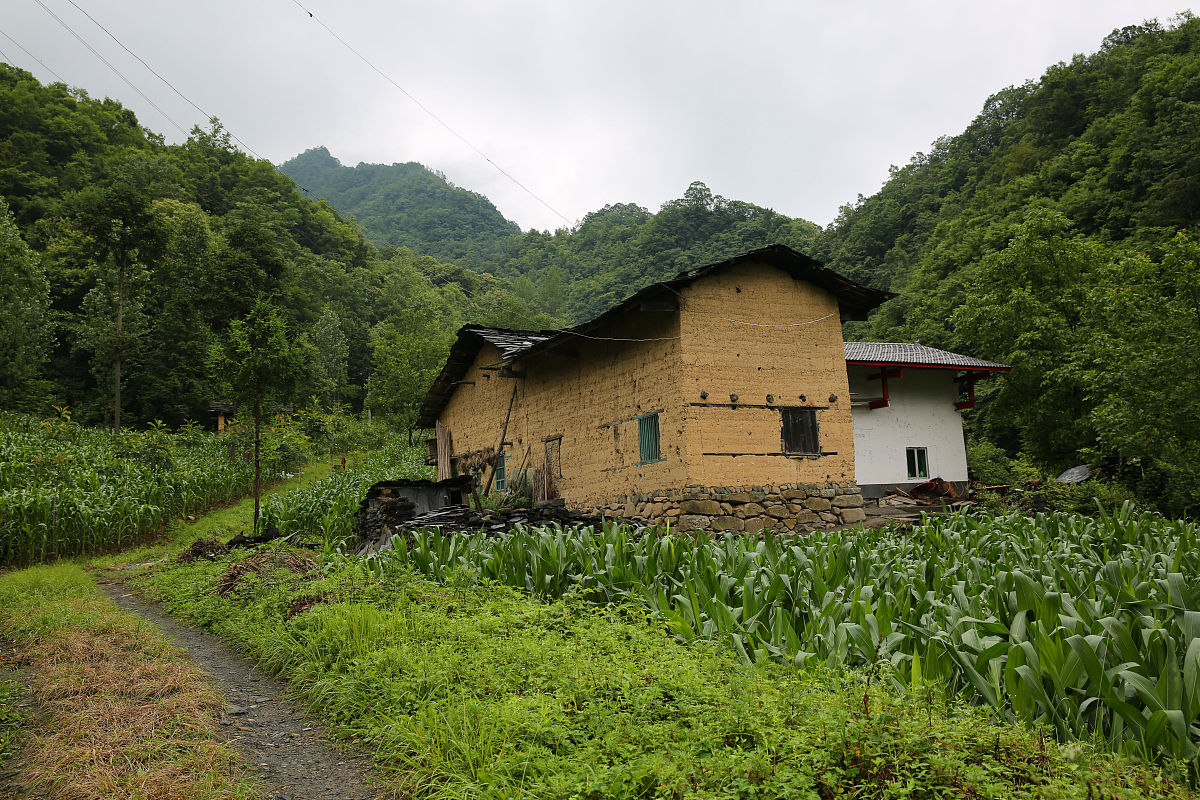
column 589, row 392
column 755, row 341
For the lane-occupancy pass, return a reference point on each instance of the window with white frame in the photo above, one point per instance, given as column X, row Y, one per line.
column 918, row 463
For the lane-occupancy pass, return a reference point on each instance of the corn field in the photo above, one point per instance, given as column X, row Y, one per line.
column 67, row 490
column 1087, row 624
column 326, row 509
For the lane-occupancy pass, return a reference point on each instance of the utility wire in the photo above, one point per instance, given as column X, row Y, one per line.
column 108, row 64
column 570, row 332
column 31, row 55
column 154, row 72
column 430, row 112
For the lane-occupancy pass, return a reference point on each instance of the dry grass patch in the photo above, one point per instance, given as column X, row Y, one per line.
column 124, row 714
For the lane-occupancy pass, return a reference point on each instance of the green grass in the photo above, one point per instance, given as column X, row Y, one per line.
column 221, row 524
column 1087, row 624
column 122, row 712
column 468, row 689
column 12, row 719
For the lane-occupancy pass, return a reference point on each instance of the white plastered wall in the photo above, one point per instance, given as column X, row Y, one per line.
column 921, row 414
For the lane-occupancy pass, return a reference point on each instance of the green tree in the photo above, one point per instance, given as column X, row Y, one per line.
column 1146, row 352
column 331, row 351
column 172, row 382
column 114, row 318
column 258, row 365
column 1028, row 306
column 115, row 217
column 408, row 348
column 25, row 330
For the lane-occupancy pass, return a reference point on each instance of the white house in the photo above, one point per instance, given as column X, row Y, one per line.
column 905, row 401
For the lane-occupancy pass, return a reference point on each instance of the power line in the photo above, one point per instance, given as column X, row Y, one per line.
column 31, row 55
column 430, row 112
column 154, row 72
column 108, row 64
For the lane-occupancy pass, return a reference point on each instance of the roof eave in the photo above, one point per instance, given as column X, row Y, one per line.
column 914, row 365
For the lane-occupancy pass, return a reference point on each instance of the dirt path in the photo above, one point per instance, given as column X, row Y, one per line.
column 278, row 742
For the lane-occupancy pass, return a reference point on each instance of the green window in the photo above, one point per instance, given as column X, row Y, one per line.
column 648, row 447
column 500, row 481
column 918, row 462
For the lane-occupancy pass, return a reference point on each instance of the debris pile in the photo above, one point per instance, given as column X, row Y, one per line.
column 461, row 519
column 389, row 504
column 262, row 563
column 207, row 549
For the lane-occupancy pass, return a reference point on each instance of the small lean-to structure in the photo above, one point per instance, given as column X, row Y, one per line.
column 906, row 400
column 716, row 400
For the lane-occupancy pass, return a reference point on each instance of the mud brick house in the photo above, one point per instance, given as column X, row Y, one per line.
column 718, row 400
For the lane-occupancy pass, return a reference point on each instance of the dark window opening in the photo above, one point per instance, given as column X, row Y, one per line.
column 800, row 433
column 648, row 447
column 918, row 462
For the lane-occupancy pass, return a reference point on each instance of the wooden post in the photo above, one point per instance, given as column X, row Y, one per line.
column 500, row 447
column 444, row 450
column 521, row 469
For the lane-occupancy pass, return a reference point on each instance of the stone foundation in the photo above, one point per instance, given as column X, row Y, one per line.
column 799, row 507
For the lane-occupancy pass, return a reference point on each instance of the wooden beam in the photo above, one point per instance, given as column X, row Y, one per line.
column 882, row 376
column 500, row 448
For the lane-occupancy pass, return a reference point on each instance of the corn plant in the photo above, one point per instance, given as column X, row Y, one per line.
column 326, row 509
column 1088, row 624
column 67, row 490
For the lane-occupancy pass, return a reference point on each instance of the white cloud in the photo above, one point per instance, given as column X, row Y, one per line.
column 798, row 106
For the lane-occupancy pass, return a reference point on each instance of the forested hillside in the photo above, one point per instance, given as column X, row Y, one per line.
column 613, row 252
column 127, row 258
column 405, row 205
column 1058, row 233
column 574, row 273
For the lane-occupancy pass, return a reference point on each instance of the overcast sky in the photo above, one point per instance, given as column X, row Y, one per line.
column 798, row 106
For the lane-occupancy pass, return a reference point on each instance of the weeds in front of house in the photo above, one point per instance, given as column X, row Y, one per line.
column 122, row 714
column 466, row 688
column 1089, row 625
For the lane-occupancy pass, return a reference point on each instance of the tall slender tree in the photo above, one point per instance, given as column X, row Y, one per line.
column 258, row 365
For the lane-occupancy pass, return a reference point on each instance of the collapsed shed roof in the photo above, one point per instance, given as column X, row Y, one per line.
column 854, row 302
column 901, row 354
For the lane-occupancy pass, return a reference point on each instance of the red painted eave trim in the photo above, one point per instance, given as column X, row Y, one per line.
column 958, row 368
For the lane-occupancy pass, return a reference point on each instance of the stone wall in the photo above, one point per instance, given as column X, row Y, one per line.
column 789, row 507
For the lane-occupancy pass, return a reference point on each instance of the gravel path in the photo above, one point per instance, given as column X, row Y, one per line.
column 278, row 742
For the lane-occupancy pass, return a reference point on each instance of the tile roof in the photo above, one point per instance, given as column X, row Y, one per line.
column 512, row 342
column 917, row 355
column 854, row 302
